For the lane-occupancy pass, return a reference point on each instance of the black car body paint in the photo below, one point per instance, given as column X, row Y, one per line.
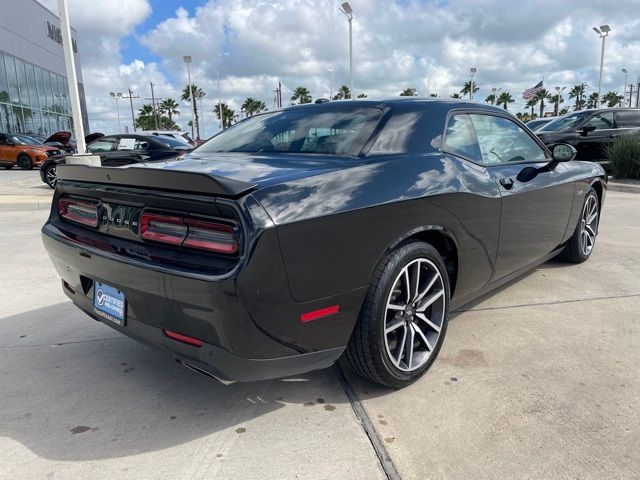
column 312, row 228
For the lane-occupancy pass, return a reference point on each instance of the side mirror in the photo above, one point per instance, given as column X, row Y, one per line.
column 587, row 128
column 563, row 152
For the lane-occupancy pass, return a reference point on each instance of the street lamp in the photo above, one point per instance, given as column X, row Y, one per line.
column 117, row 96
column 603, row 32
column 348, row 11
column 219, row 101
column 187, row 60
column 330, row 70
column 624, row 90
column 473, row 71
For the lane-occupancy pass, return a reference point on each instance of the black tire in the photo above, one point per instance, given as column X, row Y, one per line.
column 24, row 162
column 573, row 251
column 50, row 176
column 367, row 353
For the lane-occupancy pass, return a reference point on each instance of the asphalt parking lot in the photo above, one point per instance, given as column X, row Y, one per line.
column 539, row 380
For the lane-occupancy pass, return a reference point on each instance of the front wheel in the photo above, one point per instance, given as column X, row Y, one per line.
column 404, row 317
column 580, row 246
column 24, row 162
column 51, row 176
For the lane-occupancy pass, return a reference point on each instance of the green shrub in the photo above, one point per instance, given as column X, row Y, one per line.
column 624, row 157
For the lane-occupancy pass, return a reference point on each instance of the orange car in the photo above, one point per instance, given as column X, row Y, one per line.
column 24, row 151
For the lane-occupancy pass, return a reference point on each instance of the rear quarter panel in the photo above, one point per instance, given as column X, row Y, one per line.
column 334, row 228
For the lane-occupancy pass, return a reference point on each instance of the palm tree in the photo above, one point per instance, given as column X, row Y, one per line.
column 531, row 104
column 362, row 95
column 541, row 95
column 504, row 99
column 408, row 92
column 468, row 86
column 198, row 94
column 228, row 115
column 564, row 111
column 169, row 107
column 611, row 99
column 434, row 94
column 145, row 119
column 456, row 95
column 302, row 95
column 252, row 106
column 577, row 92
column 491, row 98
column 592, row 101
column 557, row 99
column 344, row 92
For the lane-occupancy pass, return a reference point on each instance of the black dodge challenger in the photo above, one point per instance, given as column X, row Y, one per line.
column 303, row 235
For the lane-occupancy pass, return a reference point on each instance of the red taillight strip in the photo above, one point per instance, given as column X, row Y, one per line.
column 176, row 237
column 90, row 210
column 323, row 312
column 194, row 342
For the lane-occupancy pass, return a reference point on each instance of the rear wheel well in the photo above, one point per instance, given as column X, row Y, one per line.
column 445, row 247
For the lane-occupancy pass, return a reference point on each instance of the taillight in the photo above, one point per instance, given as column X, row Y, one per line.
column 78, row 211
column 188, row 232
column 163, row 228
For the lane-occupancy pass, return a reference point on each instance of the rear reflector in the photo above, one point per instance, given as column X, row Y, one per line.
column 188, row 232
column 78, row 211
column 194, row 342
column 323, row 312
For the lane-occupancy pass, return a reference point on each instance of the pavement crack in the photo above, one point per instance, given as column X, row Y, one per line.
column 555, row 302
column 381, row 452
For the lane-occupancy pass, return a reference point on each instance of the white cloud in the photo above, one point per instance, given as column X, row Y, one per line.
column 427, row 45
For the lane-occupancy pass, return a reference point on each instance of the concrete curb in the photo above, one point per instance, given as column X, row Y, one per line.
column 623, row 187
column 25, row 206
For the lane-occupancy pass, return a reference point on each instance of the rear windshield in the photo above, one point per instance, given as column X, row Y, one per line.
column 302, row 130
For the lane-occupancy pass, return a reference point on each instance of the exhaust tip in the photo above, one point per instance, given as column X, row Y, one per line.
column 204, row 372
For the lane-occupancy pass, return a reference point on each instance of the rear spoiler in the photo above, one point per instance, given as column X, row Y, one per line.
column 157, row 179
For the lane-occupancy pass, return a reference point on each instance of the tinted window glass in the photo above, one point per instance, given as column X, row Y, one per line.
column 565, row 123
column 4, row 87
column 601, row 121
column 171, row 142
column 460, row 138
column 287, row 131
column 502, row 140
column 628, row 118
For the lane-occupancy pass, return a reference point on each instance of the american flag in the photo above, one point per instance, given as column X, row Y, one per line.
column 530, row 92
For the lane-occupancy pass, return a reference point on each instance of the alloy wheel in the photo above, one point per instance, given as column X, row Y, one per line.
column 414, row 315
column 52, row 177
column 589, row 225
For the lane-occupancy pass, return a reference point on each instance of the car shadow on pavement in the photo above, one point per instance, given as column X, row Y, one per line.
column 81, row 391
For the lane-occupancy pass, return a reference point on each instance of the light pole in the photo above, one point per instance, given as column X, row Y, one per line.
column 603, row 32
column 187, row 60
column 557, row 108
column 72, row 80
column 624, row 90
column 473, row 71
column 117, row 97
column 219, row 101
column 495, row 92
column 348, row 11
column 330, row 70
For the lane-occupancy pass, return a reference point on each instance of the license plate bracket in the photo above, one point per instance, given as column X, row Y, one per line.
column 109, row 303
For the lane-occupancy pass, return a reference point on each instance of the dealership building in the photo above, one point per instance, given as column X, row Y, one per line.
column 34, row 92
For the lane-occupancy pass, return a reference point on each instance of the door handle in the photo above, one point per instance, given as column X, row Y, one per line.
column 506, row 183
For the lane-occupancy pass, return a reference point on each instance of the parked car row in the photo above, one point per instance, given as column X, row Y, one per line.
column 591, row 131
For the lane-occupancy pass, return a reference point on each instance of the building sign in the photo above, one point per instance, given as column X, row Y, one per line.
column 54, row 33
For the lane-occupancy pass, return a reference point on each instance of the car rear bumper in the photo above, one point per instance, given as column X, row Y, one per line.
column 235, row 347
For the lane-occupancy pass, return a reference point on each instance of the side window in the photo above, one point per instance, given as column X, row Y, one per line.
column 141, row 144
column 3, row 140
column 460, row 138
column 126, row 143
column 601, row 121
column 502, row 140
column 628, row 119
column 105, row 144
